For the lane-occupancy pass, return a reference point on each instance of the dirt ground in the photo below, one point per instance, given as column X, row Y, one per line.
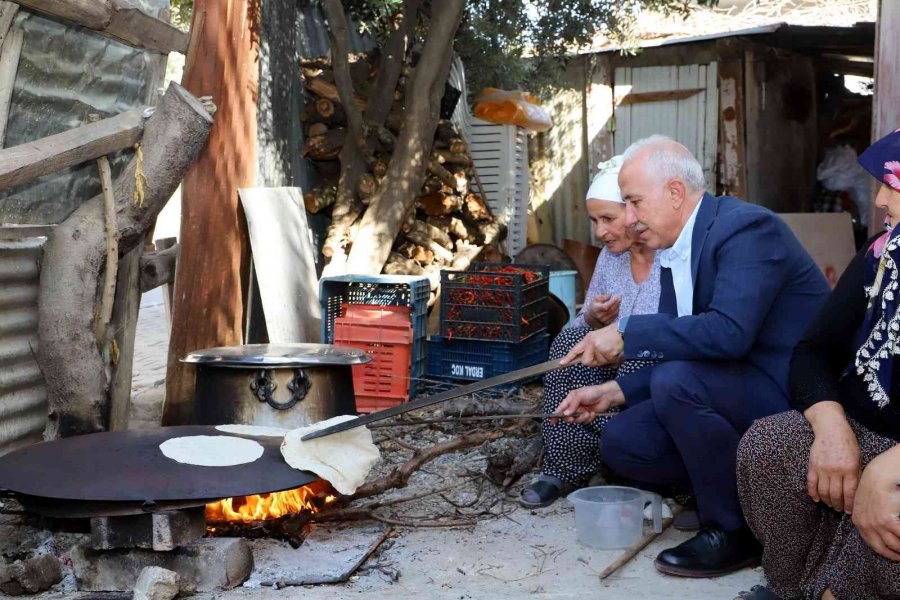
column 503, row 551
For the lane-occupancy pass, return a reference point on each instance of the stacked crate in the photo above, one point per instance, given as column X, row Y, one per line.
column 385, row 333
column 493, row 320
column 412, row 292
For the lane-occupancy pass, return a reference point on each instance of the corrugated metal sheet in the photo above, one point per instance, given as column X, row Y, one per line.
column 693, row 121
column 65, row 73
column 23, row 397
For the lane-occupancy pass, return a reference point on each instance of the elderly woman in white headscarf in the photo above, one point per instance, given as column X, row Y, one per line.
column 625, row 282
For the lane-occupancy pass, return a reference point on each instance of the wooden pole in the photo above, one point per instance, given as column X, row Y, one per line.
column 124, row 328
column 107, row 297
column 208, row 307
column 9, row 66
column 642, row 543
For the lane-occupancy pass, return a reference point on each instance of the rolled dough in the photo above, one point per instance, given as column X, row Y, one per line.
column 257, row 430
column 342, row 459
column 212, row 450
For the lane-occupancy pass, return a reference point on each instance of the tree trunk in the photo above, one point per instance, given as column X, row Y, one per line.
column 74, row 259
column 406, row 171
column 347, row 207
column 391, row 65
column 214, row 260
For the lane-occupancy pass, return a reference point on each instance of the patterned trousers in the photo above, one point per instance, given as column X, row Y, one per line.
column 807, row 547
column 572, row 451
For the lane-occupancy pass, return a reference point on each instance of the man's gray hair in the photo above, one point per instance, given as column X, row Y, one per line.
column 669, row 159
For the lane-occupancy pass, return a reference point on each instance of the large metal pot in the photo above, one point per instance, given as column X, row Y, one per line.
column 276, row 385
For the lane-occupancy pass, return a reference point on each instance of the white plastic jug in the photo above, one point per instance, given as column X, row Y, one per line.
column 610, row 517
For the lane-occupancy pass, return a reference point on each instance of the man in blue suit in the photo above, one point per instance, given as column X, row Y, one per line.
column 738, row 291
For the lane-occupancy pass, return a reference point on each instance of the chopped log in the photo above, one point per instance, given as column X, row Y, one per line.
column 116, row 19
column 484, row 232
column 437, row 204
column 452, row 225
column 397, row 264
column 26, row 162
column 458, row 147
column 433, row 233
column 366, row 187
column 455, row 181
column 382, row 135
column 379, row 169
column 465, row 256
column 328, row 90
column 325, row 108
column 319, row 198
column 419, row 253
column 74, row 258
column 325, row 147
column 158, row 268
column 475, row 209
column 448, row 157
column 446, row 131
column 422, row 239
column 317, row 129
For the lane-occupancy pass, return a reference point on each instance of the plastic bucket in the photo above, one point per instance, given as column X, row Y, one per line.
column 562, row 285
column 612, row 517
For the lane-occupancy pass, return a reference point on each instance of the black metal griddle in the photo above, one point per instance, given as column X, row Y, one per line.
column 125, row 472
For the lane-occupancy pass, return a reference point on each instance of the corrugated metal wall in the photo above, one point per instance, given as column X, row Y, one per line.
column 693, row 121
column 23, row 397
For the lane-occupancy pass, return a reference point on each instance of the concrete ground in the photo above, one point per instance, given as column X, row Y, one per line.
column 533, row 554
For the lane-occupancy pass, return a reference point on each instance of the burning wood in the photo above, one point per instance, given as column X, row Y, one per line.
column 310, row 498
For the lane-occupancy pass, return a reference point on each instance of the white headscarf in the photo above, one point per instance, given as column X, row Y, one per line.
column 606, row 183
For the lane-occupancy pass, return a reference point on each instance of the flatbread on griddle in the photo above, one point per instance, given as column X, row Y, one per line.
column 343, row 459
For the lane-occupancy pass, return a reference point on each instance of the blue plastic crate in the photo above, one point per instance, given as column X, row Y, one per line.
column 382, row 290
column 473, row 360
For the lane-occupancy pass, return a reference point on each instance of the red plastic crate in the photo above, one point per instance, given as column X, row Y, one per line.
column 386, row 334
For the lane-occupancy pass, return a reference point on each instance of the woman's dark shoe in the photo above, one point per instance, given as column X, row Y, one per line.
column 711, row 553
column 542, row 493
column 758, row 592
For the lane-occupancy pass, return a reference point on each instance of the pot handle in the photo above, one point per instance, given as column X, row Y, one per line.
column 656, row 506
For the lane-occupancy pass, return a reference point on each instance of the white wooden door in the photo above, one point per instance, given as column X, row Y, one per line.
column 679, row 102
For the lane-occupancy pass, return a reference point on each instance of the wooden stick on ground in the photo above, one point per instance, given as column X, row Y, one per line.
column 107, row 298
column 642, row 543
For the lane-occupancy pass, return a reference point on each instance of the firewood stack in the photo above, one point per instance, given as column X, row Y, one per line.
column 451, row 222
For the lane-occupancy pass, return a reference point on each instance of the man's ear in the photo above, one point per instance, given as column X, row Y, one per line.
column 677, row 192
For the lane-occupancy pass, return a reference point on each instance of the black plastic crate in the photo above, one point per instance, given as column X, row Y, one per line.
column 474, row 360
column 493, row 305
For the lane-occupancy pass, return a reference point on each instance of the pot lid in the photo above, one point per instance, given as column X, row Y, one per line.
column 278, row 355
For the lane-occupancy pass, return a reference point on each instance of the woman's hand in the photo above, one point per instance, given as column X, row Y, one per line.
column 602, row 310
column 590, row 401
column 877, row 513
column 834, row 460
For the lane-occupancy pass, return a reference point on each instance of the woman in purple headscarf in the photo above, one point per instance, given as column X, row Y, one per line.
column 820, row 485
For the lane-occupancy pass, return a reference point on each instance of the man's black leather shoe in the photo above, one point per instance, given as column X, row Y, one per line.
column 710, row 553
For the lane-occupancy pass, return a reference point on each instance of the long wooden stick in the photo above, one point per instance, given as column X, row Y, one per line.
column 480, row 418
column 9, row 66
column 642, row 543
column 108, row 296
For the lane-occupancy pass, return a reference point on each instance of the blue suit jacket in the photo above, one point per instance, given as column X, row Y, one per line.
column 755, row 291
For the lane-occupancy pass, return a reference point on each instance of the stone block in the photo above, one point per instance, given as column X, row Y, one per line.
column 158, row 531
column 156, row 583
column 205, row 565
column 30, row 576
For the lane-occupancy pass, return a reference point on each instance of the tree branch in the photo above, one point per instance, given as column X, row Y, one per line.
column 391, row 64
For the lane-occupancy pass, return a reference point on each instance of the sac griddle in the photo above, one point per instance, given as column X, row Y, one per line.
column 124, row 472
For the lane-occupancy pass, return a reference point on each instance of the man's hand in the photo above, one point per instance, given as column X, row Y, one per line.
column 590, row 401
column 834, row 460
column 602, row 310
column 598, row 348
column 877, row 513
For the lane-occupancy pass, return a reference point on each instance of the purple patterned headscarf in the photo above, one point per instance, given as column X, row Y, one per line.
column 879, row 337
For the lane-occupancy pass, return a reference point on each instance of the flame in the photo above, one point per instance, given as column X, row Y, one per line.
column 270, row 506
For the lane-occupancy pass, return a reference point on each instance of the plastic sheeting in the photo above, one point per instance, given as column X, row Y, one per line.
column 66, row 73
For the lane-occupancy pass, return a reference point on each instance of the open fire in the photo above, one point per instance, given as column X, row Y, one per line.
column 313, row 497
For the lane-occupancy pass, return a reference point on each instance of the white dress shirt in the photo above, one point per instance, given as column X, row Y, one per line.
column 678, row 258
